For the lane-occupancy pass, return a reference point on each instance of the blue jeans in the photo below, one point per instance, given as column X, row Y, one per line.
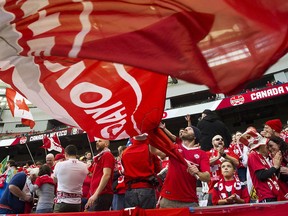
column 118, row 201
column 48, row 210
column 142, row 197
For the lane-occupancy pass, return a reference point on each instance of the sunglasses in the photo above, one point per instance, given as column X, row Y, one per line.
column 218, row 139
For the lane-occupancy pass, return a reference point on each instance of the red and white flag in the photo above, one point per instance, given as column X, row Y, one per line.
column 19, row 108
column 52, row 143
column 73, row 78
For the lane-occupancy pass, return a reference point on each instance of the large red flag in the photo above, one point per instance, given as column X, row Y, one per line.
column 53, row 53
column 19, row 108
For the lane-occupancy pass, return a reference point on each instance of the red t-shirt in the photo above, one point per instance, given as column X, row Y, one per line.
column 264, row 189
column 139, row 164
column 106, row 160
column 223, row 189
column 179, row 185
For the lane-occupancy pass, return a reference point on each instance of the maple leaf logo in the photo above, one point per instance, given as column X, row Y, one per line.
column 22, row 105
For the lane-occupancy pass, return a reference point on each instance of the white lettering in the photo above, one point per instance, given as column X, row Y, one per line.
column 111, row 130
column 71, row 74
column 99, row 111
column 267, row 93
column 86, row 87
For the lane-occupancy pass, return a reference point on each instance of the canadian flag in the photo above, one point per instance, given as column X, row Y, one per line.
column 19, row 107
column 52, row 143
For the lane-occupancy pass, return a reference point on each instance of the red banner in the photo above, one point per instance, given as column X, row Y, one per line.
column 53, row 52
column 253, row 96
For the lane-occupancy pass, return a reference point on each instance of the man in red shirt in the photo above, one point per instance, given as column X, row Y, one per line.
column 101, row 193
column 179, row 189
column 140, row 169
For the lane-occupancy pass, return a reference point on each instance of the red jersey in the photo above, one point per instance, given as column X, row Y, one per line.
column 139, row 164
column 264, row 189
column 179, row 184
column 223, row 189
column 102, row 160
column 215, row 169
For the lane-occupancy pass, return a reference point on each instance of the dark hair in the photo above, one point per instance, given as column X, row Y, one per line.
column 12, row 163
column 71, row 150
column 229, row 161
column 44, row 170
column 283, row 146
column 30, row 162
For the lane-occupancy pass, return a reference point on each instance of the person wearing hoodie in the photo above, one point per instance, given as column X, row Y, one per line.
column 210, row 125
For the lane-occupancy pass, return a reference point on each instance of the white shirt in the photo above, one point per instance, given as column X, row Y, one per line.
column 70, row 176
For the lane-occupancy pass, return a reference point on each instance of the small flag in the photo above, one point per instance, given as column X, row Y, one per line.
column 19, row 108
column 3, row 164
column 52, row 143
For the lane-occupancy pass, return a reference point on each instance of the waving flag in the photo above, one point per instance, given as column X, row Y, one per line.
column 19, row 108
column 59, row 54
column 52, row 143
column 3, row 164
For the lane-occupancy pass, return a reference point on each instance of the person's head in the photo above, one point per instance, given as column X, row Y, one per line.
column 70, row 150
column 50, row 159
column 121, row 149
column 205, row 113
column 33, row 173
column 227, row 169
column 188, row 134
column 59, row 157
column 88, row 155
column 44, row 170
column 101, row 144
column 238, row 134
column 276, row 144
column 11, row 163
column 272, row 127
column 29, row 163
column 217, row 142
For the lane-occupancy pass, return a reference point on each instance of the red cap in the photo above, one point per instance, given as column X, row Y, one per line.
column 59, row 157
column 275, row 124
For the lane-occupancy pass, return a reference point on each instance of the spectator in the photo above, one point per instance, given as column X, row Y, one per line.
column 229, row 190
column 118, row 182
column 50, row 160
column 101, row 193
column 179, row 189
column 44, row 187
column 275, row 145
column 272, row 127
column 16, row 195
column 210, row 125
column 263, row 172
column 69, row 175
column 241, row 151
column 141, row 167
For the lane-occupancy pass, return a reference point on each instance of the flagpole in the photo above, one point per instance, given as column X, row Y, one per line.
column 90, row 145
column 30, row 153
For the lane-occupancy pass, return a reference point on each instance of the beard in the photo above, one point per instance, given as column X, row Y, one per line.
column 100, row 148
column 188, row 137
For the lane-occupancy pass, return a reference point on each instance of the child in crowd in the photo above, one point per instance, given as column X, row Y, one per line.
column 229, row 189
column 45, row 189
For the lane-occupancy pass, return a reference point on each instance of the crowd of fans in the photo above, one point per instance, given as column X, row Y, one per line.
column 248, row 166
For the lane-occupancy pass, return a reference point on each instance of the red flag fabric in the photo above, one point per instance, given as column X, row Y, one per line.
column 52, row 143
column 60, row 47
column 19, row 108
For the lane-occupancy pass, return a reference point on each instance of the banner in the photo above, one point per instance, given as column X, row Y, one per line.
column 60, row 55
